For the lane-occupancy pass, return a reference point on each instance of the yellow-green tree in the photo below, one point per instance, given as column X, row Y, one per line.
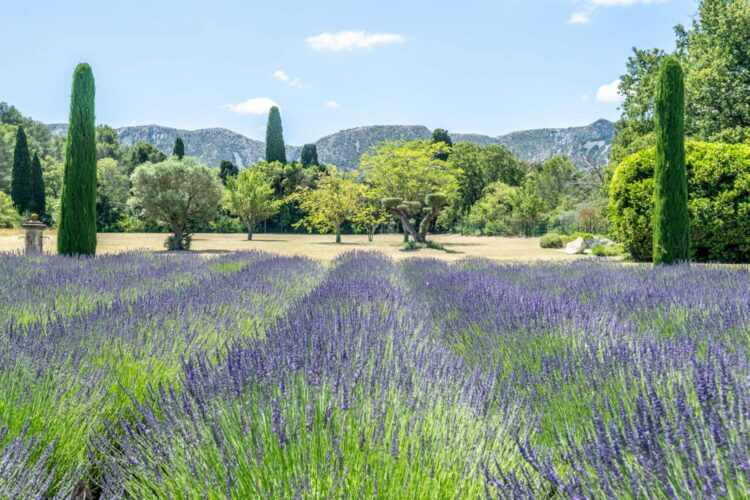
column 370, row 215
column 411, row 180
column 335, row 200
column 250, row 196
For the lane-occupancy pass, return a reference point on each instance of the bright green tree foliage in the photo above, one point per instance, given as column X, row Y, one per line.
column 275, row 150
column 77, row 230
column 9, row 217
column 250, row 196
column 336, row 200
column 671, row 220
column 21, row 184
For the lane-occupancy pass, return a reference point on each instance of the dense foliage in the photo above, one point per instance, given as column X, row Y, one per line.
column 671, row 222
column 718, row 202
column 178, row 194
column 256, row 376
column 38, row 195
column 309, row 156
column 21, row 184
column 275, row 149
column 179, row 148
column 249, row 195
column 715, row 55
column 76, row 234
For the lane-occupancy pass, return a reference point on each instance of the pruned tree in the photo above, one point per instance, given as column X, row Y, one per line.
column 411, row 181
column 250, row 196
column 177, row 194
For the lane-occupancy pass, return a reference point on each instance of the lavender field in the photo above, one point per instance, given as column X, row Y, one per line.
column 260, row 376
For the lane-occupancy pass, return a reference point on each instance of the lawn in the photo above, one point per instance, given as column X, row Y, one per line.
column 255, row 375
column 316, row 246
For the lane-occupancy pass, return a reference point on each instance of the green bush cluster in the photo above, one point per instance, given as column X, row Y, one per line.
column 607, row 251
column 551, row 240
column 718, row 202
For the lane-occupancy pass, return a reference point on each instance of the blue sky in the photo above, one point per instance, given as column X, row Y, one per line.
column 476, row 66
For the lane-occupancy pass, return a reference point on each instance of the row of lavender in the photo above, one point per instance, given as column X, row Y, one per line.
column 256, row 376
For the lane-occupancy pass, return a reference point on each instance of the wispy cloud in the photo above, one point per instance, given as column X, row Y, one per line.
column 609, row 93
column 292, row 82
column 332, row 105
column 586, row 13
column 254, row 106
column 351, row 40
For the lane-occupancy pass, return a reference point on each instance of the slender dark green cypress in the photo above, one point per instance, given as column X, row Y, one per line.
column 275, row 137
column 38, row 198
column 76, row 234
column 179, row 148
column 309, row 156
column 671, row 218
column 20, row 186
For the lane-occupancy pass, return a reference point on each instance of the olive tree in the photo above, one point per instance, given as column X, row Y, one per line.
column 177, row 194
column 412, row 182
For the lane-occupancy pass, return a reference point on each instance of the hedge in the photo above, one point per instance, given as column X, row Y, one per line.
column 718, row 202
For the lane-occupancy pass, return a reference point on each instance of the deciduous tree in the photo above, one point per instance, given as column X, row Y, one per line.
column 250, row 196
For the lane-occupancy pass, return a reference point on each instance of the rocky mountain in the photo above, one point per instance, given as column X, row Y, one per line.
column 587, row 146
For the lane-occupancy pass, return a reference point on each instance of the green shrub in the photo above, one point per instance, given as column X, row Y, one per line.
column 9, row 217
column 551, row 240
column 410, row 246
column 718, row 202
column 579, row 234
column 434, row 245
column 172, row 244
column 607, row 251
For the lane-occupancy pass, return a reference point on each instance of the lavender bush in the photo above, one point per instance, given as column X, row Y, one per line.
column 256, row 376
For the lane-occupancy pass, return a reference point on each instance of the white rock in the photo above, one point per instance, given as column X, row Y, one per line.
column 576, row 246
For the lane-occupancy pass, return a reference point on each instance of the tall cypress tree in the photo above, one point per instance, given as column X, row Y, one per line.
column 671, row 218
column 275, row 137
column 20, row 186
column 76, row 234
column 309, row 155
column 38, row 198
column 179, row 148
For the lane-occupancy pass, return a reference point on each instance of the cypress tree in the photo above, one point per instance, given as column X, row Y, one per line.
column 671, row 218
column 76, row 234
column 20, row 186
column 179, row 148
column 38, row 198
column 275, row 137
column 227, row 169
column 309, row 155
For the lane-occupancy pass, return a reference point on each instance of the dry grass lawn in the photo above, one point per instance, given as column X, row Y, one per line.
column 316, row 246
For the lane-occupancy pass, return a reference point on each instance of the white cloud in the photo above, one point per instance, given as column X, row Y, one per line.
column 584, row 98
column 580, row 17
column 609, row 92
column 280, row 75
column 585, row 14
column 351, row 40
column 292, row 82
column 255, row 106
column 332, row 105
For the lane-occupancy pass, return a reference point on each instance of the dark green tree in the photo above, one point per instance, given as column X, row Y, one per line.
column 227, row 169
column 179, row 148
column 76, row 234
column 671, row 218
column 309, row 155
column 38, row 198
column 107, row 143
column 20, row 187
column 441, row 135
column 142, row 152
column 275, row 150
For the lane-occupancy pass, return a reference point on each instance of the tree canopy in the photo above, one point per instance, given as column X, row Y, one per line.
column 177, row 194
column 250, row 196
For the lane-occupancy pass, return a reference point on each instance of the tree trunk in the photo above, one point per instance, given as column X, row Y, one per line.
column 338, row 234
column 406, row 235
column 409, row 229
column 424, row 226
column 177, row 232
column 249, row 233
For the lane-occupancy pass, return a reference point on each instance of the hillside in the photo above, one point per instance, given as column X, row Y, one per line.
column 587, row 146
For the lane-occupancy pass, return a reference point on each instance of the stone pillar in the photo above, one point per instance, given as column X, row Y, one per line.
column 34, row 235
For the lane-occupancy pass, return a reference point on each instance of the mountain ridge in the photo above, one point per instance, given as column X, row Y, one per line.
column 587, row 146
